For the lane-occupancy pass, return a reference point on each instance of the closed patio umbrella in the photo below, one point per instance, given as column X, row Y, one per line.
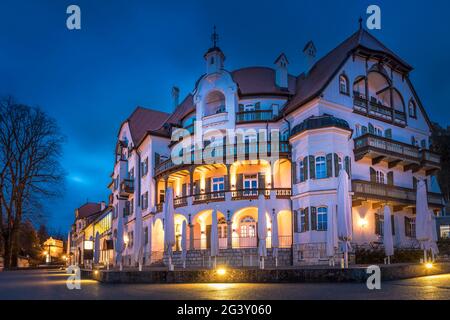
column 422, row 217
column 434, row 238
column 262, row 229
column 275, row 240
column 184, row 243
column 137, row 249
column 119, row 240
column 344, row 214
column 169, row 228
column 388, row 241
column 332, row 235
column 214, row 237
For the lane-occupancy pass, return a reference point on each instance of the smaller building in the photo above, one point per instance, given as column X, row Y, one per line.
column 53, row 249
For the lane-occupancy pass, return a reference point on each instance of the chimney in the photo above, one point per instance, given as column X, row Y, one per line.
column 310, row 52
column 175, row 96
column 281, row 71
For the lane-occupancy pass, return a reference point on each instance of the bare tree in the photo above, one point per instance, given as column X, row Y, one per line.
column 30, row 171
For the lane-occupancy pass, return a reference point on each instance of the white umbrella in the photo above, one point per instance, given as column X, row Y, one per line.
column 184, row 243
column 332, row 235
column 275, row 240
column 344, row 214
column 433, row 236
column 119, row 240
column 262, row 229
column 388, row 241
column 138, row 235
column 169, row 228
column 149, row 240
column 422, row 217
column 97, row 248
column 214, row 236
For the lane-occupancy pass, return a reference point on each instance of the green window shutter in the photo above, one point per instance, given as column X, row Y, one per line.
column 393, row 225
column 305, row 168
column 313, row 218
column 407, row 227
column 157, row 158
column 183, row 189
column 208, row 185
column 373, row 175
column 364, row 130
column 312, row 167
column 329, row 165
column 306, row 227
column 348, row 166
column 377, row 224
column 371, row 128
column 294, row 172
column 336, row 165
column 388, row 133
column 414, row 183
column 261, row 182
column 295, row 221
column 390, row 178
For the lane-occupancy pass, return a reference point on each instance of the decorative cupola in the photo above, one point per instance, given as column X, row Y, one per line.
column 214, row 57
column 281, row 71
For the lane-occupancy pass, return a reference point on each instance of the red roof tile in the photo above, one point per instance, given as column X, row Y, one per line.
column 260, row 81
column 144, row 120
column 88, row 209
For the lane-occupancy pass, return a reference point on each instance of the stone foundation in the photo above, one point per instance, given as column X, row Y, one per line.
column 309, row 254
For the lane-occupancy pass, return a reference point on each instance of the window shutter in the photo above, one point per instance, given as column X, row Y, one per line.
column 414, row 183
column 388, row 133
column 294, row 172
column 183, row 189
column 313, row 218
column 240, row 182
column 348, row 166
column 208, row 185
column 393, row 225
column 377, row 224
column 371, row 128
column 407, row 227
column 329, row 165
column 373, row 175
column 261, row 182
column 390, row 178
column 295, row 221
column 336, row 165
column 306, row 227
column 305, row 168
column 157, row 158
column 312, row 167
column 364, row 129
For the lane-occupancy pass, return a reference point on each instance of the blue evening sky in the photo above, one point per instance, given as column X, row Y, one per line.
column 132, row 52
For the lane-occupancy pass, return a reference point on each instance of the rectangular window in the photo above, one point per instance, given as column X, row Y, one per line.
column 250, row 184
column 303, row 221
column 162, row 194
column 321, row 168
column 146, row 235
column 144, row 167
column 302, row 171
column 144, row 198
column 322, row 219
column 445, row 231
column 217, row 186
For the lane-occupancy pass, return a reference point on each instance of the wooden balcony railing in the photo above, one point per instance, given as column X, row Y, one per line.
column 256, row 115
column 382, row 192
column 377, row 110
column 384, row 146
column 430, row 158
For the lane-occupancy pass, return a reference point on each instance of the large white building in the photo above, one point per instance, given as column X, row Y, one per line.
column 355, row 110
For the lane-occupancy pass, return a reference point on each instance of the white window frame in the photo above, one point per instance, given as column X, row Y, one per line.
column 321, row 167
column 320, row 212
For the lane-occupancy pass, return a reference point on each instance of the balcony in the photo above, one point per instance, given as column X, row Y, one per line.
column 220, row 196
column 246, row 150
column 377, row 110
column 379, row 148
column 254, row 116
column 397, row 196
column 126, row 187
column 430, row 161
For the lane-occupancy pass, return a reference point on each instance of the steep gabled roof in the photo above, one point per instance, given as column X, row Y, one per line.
column 88, row 209
column 182, row 110
column 143, row 121
column 312, row 84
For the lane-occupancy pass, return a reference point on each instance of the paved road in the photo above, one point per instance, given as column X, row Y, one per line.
column 41, row 284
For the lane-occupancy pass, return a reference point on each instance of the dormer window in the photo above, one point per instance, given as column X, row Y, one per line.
column 343, row 84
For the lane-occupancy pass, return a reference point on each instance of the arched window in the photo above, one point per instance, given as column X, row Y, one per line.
column 343, row 84
column 215, row 103
column 412, row 110
column 248, row 227
column 322, row 218
column 321, row 167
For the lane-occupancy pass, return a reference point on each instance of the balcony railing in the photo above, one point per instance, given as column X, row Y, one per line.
column 400, row 117
column 126, row 187
column 380, row 111
column 360, row 103
column 380, row 146
column 219, row 196
column 246, row 150
column 430, row 160
column 256, row 115
column 377, row 110
column 382, row 192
